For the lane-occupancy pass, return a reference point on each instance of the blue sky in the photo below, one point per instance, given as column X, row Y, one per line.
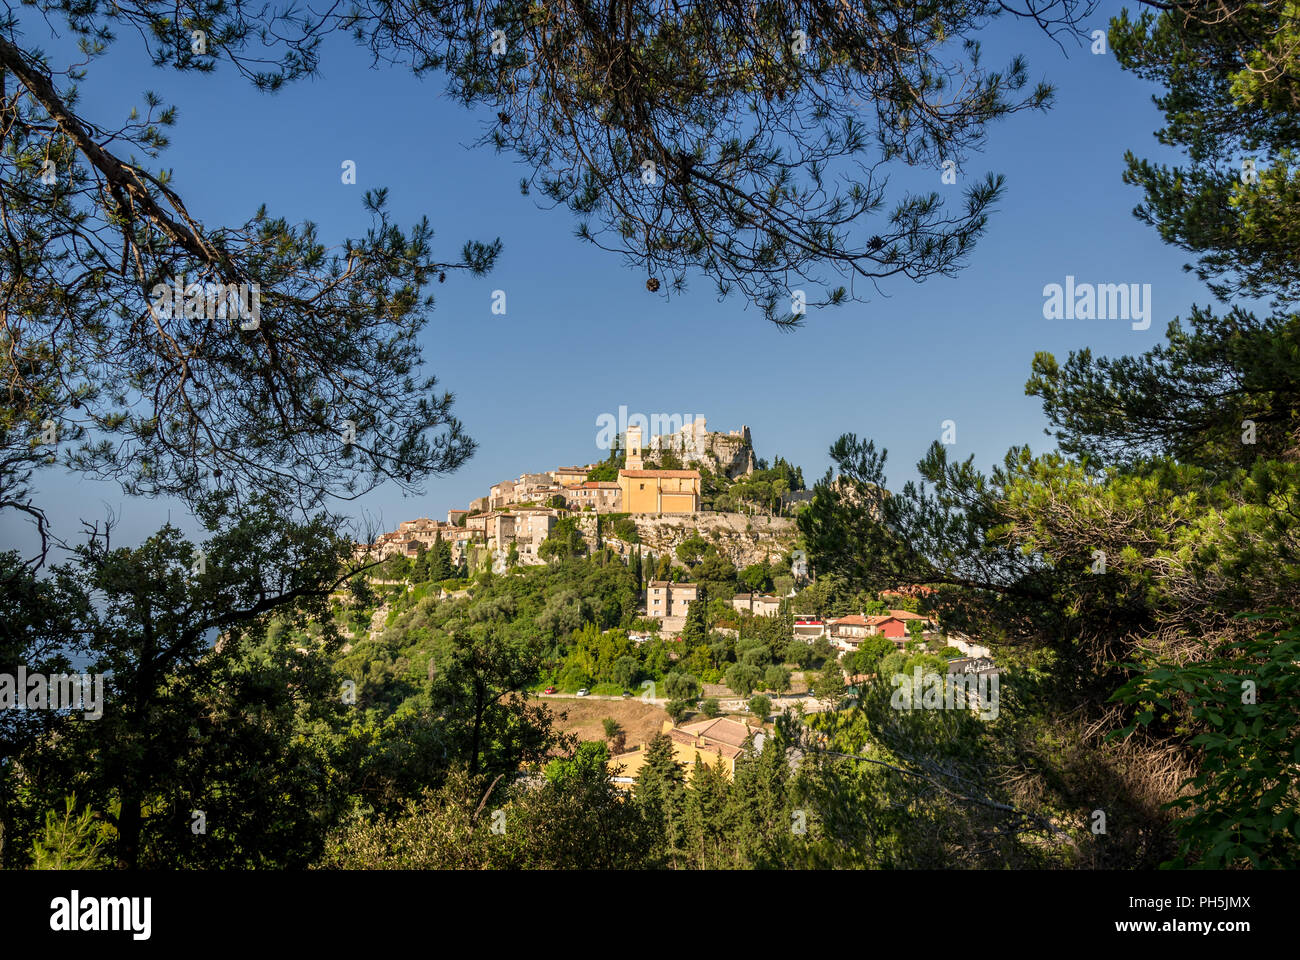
column 576, row 340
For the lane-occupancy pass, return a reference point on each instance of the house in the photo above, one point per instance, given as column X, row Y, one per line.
column 982, row 679
column 972, row 665
column 525, row 527
column 411, row 535
column 569, row 476
column 847, row 633
column 532, row 526
column 967, row 646
column 598, row 495
column 895, row 624
column 809, row 629
column 758, row 604
column 915, row 590
column 669, row 601
column 529, row 488
column 501, row 494
column 717, row 741
column 455, row 516
column 792, row 497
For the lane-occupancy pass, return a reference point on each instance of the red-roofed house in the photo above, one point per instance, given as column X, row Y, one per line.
column 847, row 633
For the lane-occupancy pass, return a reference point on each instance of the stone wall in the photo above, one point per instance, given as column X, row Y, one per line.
column 742, row 538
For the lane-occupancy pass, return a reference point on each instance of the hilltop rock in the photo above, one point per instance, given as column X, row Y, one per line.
column 741, row 538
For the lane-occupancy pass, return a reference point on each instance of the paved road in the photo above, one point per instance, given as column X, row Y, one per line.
column 599, row 696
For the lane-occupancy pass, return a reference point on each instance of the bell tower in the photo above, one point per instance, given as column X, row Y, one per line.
column 634, row 461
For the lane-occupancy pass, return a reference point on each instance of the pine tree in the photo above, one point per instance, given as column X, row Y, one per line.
column 696, row 629
column 659, row 789
column 707, row 822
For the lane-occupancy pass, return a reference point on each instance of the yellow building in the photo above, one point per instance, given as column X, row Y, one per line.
column 660, row 491
column 717, row 741
column 569, row 476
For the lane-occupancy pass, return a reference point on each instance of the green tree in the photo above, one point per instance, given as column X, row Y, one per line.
column 695, row 631
column 760, row 706
column 866, row 659
column 71, row 841
column 741, row 678
column 664, row 568
column 589, row 760
column 690, row 550
column 714, row 568
column 678, row 709
column 564, row 542
column 626, row 670
column 776, row 678
column 1240, row 807
column 659, row 789
column 681, row 686
column 158, row 611
column 829, row 684
column 477, row 695
column 614, row 733
column 757, row 577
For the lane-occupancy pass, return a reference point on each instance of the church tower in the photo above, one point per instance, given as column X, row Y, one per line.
column 634, row 461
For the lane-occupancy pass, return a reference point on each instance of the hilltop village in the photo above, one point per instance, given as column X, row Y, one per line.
column 665, row 488
column 660, row 509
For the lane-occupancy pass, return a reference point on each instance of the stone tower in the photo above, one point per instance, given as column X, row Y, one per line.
column 634, row 461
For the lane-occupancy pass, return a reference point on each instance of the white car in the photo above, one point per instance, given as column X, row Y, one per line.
column 583, row 692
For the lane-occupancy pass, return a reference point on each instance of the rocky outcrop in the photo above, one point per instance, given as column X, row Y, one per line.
column 741, row 538
column 726, row 454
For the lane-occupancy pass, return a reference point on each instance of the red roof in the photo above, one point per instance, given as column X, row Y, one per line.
column 853, row 620
column 681, row 474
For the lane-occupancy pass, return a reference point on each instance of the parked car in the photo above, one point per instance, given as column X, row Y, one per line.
column 627, row 693
column 583, row 692
column 549, row 690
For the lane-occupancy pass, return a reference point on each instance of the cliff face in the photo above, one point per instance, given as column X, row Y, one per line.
column 740, row 538
column 726, row 454
column 731, row 456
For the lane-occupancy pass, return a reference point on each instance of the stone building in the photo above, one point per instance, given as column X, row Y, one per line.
column 569, row 476
column 529, row 488
column 526, row 528
column 669, row 602
column 595, row 495
column 411, row 535
column 757, row 604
